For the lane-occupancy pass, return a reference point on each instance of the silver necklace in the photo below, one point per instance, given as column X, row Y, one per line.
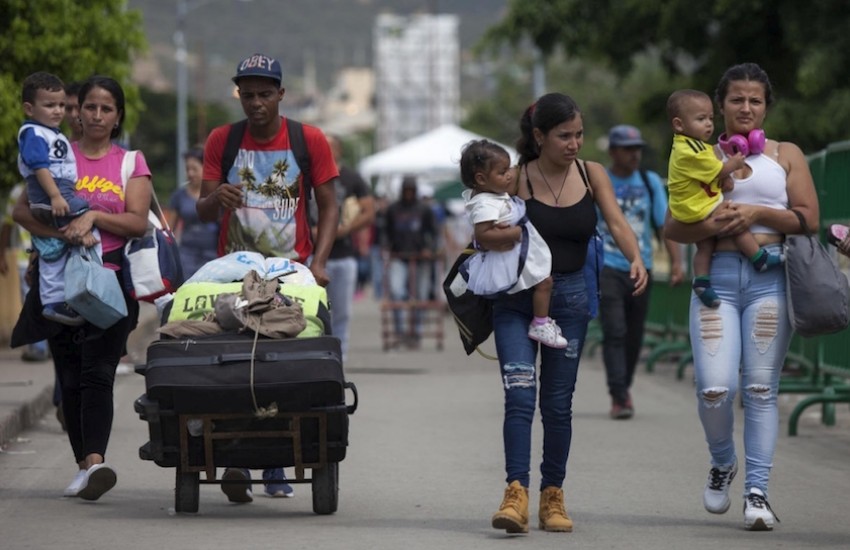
column 563, row 183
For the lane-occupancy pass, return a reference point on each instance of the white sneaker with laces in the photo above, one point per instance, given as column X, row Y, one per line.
column 715, row 498
column 99, row 479
column 75, row 486
column 548, row 334
column 758, row 516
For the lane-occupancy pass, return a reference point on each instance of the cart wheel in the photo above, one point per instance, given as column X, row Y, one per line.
column 187, row 491
column 326, row 488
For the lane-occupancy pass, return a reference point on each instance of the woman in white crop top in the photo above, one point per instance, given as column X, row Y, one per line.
column 750, row 328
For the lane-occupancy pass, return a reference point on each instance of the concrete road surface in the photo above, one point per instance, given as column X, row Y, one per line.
column 424, row 470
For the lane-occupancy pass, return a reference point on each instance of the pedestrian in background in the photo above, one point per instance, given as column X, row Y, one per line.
column 411, row 240
column 357, row 211
column 198, row 239
column 378, row 246
column 642, row 197
column 72, row 111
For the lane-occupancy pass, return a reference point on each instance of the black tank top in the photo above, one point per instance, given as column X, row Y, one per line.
column 566, row 229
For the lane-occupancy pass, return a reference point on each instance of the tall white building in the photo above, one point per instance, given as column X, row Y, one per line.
column 417, row 75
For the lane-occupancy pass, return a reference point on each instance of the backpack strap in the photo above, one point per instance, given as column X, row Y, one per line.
column 657, row 230
column 231, row 147
column 302, row 155
column 128, row 165
column 156, row 217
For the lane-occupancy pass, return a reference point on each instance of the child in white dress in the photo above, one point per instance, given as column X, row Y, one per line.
column 492, row 206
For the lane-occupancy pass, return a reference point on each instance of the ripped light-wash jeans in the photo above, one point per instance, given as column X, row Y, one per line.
column 557, row 378
column 749, row 332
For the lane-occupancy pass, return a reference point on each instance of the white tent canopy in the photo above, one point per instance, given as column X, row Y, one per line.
column 433, row 157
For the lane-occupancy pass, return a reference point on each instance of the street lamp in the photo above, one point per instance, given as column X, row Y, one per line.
column 180, row 55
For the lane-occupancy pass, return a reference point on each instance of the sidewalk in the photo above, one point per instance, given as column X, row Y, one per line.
column 26, row 388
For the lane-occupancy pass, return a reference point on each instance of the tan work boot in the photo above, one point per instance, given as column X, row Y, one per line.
column 513, row 513
column 553, row 514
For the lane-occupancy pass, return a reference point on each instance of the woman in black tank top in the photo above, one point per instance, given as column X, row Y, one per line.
column 561, row 194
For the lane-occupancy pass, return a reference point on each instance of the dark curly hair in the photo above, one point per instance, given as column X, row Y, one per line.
column 477, row 156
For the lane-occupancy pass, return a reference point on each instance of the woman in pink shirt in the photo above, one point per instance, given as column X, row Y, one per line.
column 86, row 357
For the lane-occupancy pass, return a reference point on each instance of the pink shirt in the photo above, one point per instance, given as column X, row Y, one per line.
column 99, row 182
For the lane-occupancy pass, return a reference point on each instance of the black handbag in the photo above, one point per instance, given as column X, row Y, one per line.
column 473, row 314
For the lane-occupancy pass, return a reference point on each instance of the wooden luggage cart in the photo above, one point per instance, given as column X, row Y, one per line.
column 429, row 312
column 207, row 451
column 229, row 402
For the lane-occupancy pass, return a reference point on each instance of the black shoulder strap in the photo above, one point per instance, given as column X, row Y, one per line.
column 231, row 147
column 528, row 182
column 657, row 230
column 301, row 152
column 585, row 175
column 299, row 148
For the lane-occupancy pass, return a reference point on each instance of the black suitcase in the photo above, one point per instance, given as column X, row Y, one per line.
column 222, row 375
column 216, row 374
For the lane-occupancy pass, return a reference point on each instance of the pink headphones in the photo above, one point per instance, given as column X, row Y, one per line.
column 752, row 144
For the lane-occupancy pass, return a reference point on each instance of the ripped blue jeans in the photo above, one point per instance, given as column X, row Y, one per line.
column 556, row 381
column 749, row 332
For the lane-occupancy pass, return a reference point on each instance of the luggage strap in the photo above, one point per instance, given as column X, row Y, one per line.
column 259, row 412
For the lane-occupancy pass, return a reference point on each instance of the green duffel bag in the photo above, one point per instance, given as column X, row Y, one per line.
column 193, row 301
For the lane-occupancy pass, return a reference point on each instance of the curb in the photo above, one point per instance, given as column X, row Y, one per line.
column 25, row 416
column 22, row 411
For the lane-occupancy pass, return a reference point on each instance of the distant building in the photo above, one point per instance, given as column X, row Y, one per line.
column 348, row 107
column 417, row 75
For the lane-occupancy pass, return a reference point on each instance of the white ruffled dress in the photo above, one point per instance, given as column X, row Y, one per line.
column 526, row 264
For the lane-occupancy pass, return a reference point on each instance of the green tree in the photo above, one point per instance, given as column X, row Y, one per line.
column 155, row 136
column 804, row 47
column 598, row 91
column 70, row 39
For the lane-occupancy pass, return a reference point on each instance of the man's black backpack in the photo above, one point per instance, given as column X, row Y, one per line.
column 296, row 142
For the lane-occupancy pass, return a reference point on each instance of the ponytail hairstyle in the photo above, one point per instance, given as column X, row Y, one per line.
column 544, row 114
column 476, row 157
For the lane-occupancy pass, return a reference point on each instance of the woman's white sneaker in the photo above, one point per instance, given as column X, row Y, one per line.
column 758, row 515
column 715, row 497
column 99, row 479
column 74, row 488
